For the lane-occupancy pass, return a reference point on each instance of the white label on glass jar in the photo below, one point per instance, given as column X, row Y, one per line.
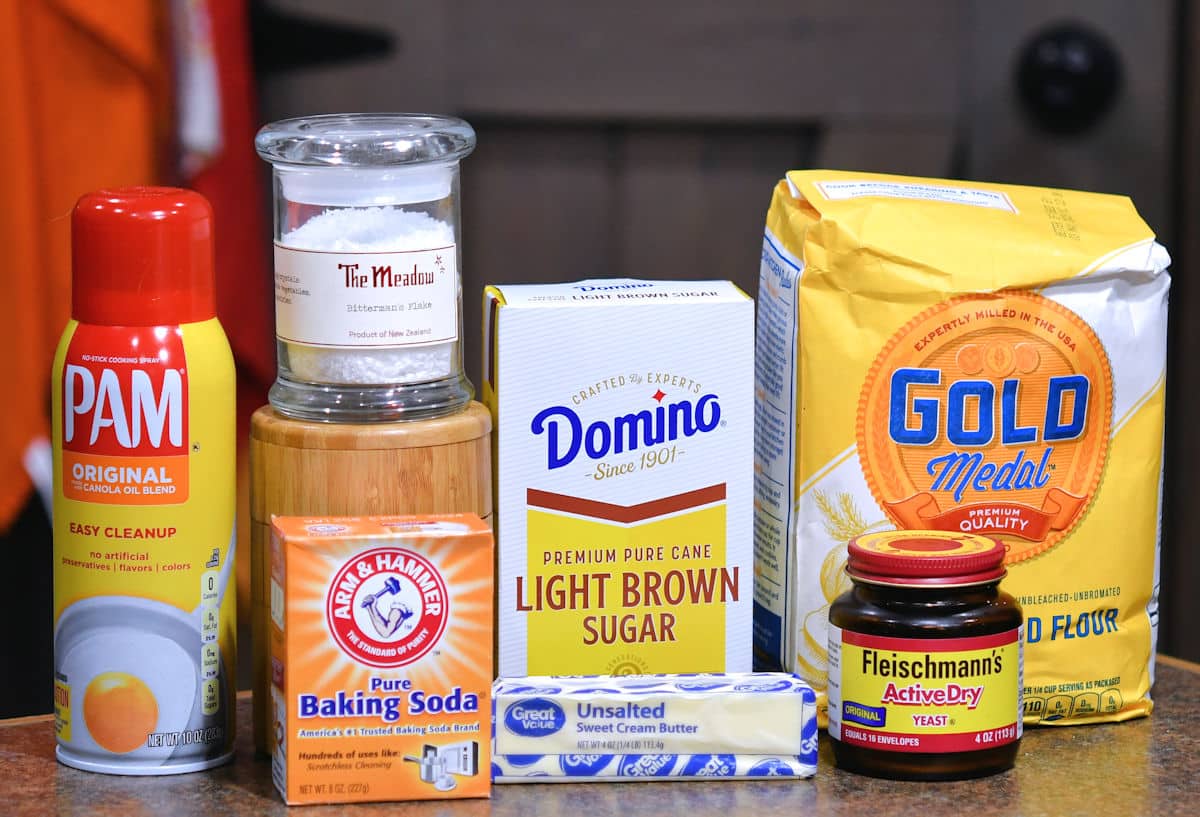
column 366, row 299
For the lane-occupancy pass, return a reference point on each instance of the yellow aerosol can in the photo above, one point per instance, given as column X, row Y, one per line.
column 144, row 492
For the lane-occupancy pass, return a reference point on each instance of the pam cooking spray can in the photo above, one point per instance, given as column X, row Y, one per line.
column 144, row 492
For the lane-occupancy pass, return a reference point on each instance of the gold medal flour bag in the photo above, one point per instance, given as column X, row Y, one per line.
column 980, row 358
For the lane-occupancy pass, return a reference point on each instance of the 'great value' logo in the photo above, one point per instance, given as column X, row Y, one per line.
column 534, row 718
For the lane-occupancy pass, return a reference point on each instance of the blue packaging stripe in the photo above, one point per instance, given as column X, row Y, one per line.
column 768, row 631
column 630, row 768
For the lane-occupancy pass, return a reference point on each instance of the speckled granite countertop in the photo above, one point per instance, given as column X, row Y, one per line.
column 1145, row 767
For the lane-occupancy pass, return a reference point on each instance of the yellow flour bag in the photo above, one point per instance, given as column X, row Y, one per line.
column 966, row 357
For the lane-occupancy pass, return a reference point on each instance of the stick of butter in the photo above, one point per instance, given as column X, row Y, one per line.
column 630, row 727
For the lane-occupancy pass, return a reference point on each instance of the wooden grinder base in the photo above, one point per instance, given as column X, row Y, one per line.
column 304, row 468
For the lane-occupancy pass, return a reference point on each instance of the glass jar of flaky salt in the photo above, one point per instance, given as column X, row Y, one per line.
column 368, row 294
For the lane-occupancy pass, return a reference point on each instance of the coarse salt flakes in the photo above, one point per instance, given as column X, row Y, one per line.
column 369, row 229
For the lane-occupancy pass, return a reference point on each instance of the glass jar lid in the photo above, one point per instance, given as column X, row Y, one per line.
column 365, row 140
column 921, row 558
column 365, row 159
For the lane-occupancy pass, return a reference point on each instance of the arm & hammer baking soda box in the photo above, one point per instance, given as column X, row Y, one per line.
column 623, row 412
column 381, row 657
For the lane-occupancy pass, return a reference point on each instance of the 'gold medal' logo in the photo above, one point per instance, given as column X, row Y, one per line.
column 988, row 414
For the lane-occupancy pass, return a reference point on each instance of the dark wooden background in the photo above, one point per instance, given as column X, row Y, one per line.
column 644, row 139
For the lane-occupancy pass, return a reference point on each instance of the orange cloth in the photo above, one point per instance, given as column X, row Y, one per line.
column 86, row 104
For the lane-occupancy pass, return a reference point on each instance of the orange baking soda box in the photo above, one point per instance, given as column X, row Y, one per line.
column 381, row 657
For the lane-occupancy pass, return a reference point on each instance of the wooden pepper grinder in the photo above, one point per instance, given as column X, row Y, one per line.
column 371, row 412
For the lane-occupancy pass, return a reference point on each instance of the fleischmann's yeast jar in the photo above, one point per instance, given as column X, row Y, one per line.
column 925, row 667
column 145, row 622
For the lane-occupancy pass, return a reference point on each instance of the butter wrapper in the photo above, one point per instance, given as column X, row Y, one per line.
column 722, row 725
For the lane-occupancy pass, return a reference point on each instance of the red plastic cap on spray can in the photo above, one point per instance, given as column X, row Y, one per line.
column 142, row 256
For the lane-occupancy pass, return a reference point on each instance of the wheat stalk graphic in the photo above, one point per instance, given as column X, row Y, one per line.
column 841, row 516
column 842, row 520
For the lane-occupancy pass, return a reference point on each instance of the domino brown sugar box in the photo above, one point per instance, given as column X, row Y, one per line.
column 624, row 475
column 925, row 658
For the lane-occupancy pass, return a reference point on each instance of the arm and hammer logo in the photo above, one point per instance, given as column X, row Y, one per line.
column 387, row 607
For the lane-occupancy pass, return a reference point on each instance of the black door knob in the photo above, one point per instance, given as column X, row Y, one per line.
column 1068, row 77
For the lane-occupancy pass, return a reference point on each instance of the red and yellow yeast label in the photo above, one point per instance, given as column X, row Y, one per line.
column 925, row 695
